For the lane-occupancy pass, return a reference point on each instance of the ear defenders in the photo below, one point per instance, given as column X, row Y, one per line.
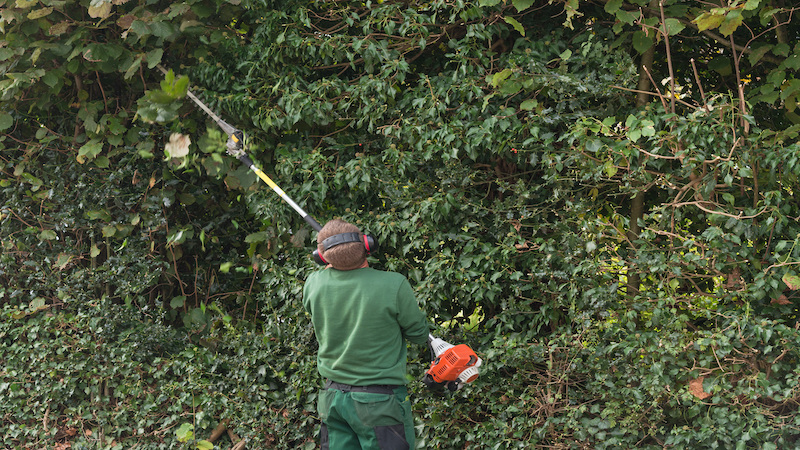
column 370, row 244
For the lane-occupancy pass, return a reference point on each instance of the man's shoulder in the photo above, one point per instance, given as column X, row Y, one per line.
column 370, row 274
column 318, row 277
column 387, row 275
column 314, row 274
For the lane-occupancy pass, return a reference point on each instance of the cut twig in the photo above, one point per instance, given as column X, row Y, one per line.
column 655, row 86
column 223, row 425
column 740, row 88
column 699, row 85
column 238, row 443
column 637, row 91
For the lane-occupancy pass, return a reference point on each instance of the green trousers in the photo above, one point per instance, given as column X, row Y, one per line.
column 365, row 417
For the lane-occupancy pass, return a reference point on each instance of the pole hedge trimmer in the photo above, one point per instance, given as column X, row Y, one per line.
column 453, row 366
column 235, row 148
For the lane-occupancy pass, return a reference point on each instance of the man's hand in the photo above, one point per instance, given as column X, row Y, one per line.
column 452, row 386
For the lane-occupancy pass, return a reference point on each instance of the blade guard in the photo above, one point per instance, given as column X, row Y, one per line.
column 453, row 365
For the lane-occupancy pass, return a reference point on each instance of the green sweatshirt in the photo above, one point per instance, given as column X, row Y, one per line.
column 361, row 318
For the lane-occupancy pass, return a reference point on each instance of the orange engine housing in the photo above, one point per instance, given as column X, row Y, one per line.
column 452, row 363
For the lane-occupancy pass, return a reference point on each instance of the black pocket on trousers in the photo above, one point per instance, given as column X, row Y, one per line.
column 392, row 437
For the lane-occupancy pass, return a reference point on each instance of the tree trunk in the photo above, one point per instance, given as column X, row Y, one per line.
column 637, row 202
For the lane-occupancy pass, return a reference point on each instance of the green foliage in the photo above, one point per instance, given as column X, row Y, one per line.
column 186, row 433
column 605, row 387
column 104, row 379
column 160, row 105
column 495, row 153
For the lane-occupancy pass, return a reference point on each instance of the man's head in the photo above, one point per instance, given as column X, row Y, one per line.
column 347, row 256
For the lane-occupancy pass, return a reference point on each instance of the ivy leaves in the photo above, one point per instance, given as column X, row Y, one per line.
column 486, row 147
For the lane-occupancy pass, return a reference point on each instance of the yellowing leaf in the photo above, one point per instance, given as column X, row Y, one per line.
column 59, row 28
column 792, row 281
column 98, row 214
column 99, row 9
column 732, row 21
column 26, row 3
column 500, row 77
column 610, row 169
column 39, row 13
column 185, row 432
column 63, row 260
column 37, row 304
column 708, row 21
column 178, row 145
column 90, row 150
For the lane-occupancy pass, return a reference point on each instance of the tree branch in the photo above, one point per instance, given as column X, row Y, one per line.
column 719, row 39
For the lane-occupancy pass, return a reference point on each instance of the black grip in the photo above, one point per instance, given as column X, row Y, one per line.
column 314, row 224
column 245, row 159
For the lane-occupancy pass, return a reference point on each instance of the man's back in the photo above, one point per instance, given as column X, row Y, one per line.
column 361, row 318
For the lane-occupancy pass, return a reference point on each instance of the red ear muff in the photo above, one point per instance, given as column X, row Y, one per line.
column 318, row 258
column 369, row 243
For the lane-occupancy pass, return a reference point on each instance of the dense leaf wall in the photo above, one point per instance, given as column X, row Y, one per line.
column 493, row 147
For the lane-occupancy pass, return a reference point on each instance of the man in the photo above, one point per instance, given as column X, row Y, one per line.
column 362, row 318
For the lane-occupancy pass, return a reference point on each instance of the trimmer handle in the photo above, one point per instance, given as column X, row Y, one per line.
column 314, row 224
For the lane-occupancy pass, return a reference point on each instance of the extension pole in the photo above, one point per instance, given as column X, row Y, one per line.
column 235, row 148
column 249, row 163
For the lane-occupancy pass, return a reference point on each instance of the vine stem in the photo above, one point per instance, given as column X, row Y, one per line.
column 788, row 255
column 669, row 58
